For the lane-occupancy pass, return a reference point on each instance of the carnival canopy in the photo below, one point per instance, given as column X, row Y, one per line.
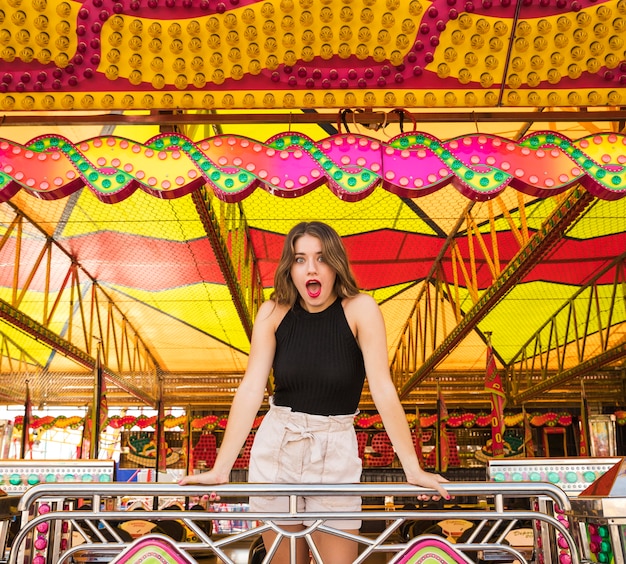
column 154, row 154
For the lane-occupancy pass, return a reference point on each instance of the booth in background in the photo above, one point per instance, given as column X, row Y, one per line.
column 599, row 517
column 602, row 435
column 572, row 475
column 8, row 522
column 17, row 476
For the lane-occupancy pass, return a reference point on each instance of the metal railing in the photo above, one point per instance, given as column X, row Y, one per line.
column 68, row 523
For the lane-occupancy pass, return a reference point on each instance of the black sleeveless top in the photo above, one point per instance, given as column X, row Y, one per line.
column 318, row 365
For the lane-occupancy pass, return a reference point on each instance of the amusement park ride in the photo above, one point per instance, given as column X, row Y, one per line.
column 153, row 154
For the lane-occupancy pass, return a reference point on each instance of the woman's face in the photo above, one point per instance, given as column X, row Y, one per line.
column 313, row 277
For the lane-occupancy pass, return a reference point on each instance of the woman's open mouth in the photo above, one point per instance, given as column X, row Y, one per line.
column 313, row 288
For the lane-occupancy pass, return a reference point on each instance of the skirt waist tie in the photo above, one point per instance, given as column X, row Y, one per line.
column 298, row 433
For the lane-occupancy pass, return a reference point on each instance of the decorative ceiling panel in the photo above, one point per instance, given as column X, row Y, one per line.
column 196, row 54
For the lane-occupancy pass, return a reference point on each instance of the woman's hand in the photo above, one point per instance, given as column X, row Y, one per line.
column 210, row 478
column 430, row 481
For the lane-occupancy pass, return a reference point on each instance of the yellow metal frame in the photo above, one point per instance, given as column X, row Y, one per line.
column 88, row 313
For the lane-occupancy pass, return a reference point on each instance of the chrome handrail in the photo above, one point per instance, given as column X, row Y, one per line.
column 90, row 524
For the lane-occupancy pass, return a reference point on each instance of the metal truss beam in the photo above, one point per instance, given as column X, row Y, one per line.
column 29, row 326
column 365, row 117
column 15, row 360
column 227, row 230
column 598, row 362
column 426, row 326
column 591, row 324
column 15, row 357
column 567, row 213
column 76, row 305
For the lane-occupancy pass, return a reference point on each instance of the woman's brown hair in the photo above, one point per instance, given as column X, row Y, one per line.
column 334, row 253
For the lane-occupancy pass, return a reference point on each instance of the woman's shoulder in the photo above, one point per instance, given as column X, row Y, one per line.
column 360, row 300
column 360, row 304
column 271, row 312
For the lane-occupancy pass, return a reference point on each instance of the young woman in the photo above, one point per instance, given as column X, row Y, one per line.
column 322, row 338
